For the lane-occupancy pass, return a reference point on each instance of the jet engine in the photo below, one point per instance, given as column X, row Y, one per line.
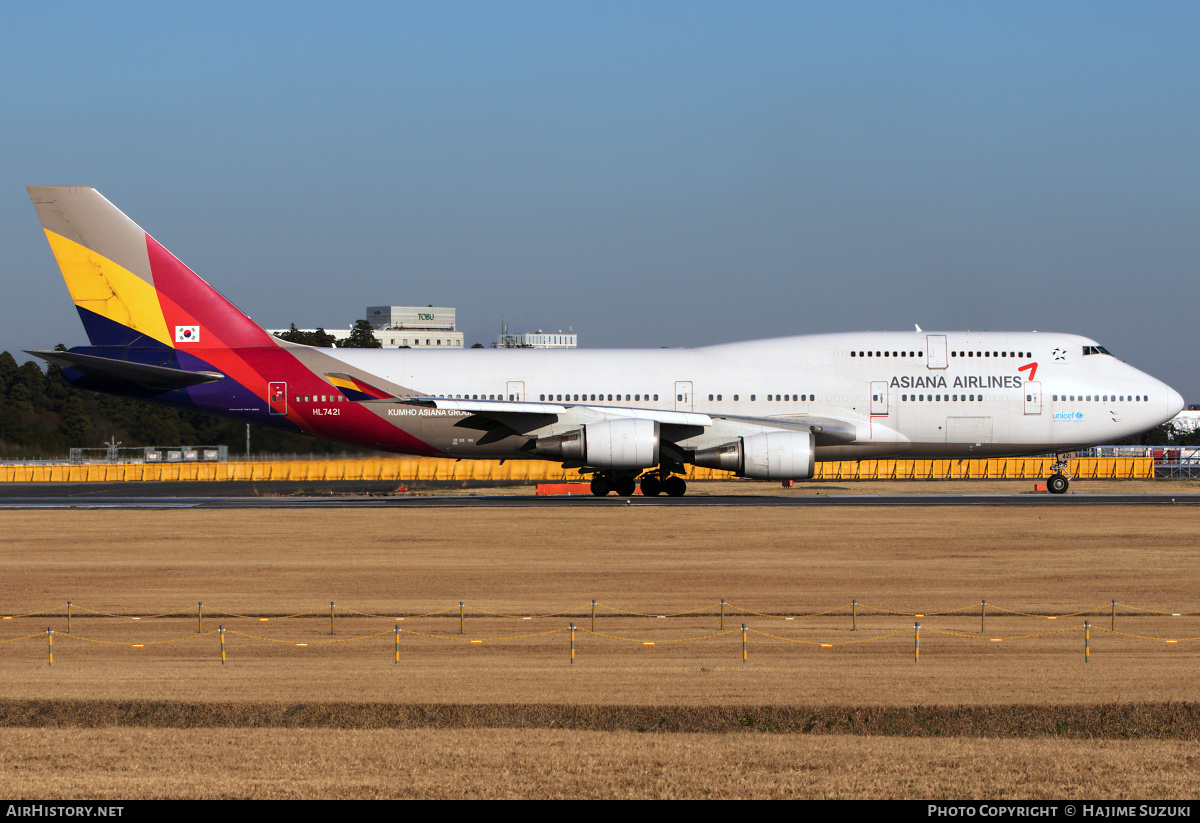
column 782, row 455
column 611, row 444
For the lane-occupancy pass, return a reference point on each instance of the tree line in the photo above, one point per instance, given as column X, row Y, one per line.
column 42, row 417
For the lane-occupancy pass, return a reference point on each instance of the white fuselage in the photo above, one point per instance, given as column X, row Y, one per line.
column 904, row 394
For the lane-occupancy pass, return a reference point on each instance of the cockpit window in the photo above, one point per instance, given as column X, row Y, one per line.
column 1096, row 350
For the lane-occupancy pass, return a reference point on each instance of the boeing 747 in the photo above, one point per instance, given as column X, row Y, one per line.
column 767, row 409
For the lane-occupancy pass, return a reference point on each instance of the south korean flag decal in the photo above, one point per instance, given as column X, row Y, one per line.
column 187, row 334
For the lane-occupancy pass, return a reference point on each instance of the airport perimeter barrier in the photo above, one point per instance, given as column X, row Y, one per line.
column 398, row 633
column 402, row 469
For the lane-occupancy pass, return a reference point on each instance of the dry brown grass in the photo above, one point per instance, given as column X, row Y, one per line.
column 478, row 763
column 657, row 560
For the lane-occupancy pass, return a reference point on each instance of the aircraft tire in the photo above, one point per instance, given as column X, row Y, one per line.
column 600, row 487
column 675, row 486
column 1057, row 484
column 624, row 486
column 651, row 486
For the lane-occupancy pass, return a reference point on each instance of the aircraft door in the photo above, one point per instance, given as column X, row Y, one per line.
column 1033, row 397
column 683, row 395
column 516, row 389
column 936, row 351
column 879, row 398
column 277, row 397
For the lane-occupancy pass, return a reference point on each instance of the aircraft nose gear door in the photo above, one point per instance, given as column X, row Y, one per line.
column 277, row 395
column 879, row 398
column 1033, row 398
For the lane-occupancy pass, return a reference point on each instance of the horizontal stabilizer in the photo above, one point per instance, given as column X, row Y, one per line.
column 153, row 377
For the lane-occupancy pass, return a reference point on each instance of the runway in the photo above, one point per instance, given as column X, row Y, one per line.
column 246, row 496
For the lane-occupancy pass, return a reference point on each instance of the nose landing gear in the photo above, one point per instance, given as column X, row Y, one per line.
column 1058, row 482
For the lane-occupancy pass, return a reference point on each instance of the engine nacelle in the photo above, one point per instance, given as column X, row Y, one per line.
column 782, row 455
column 610, row 444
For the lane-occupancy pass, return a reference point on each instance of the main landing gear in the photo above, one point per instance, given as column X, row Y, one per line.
column 653, row 483
column 1058, row 482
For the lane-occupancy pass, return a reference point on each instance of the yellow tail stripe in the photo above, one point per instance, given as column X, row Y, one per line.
column 108, row 289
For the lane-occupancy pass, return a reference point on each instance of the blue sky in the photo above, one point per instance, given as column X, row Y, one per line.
column 650, row 174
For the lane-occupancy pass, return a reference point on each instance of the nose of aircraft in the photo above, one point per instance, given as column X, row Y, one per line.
column 1173, row 402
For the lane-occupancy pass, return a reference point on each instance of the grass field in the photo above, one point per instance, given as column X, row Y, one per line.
column 513, row 717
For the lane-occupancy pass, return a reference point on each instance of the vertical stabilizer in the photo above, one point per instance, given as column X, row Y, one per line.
column 128, row 289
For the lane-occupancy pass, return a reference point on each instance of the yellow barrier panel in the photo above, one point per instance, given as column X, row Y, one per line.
column 402, row 469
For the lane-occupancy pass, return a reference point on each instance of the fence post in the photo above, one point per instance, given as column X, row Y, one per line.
column 200, row 617
column 593, row 615
column 221, row 631
column 853, row 615
column 983, row 617
column 397, row 645
column 722, row 612
column 1087, row 640
column 916, row 642
column 50, row 644
column 743, row 642
column 572, row 644
column 1114, row 615
column 68, row 617
column 461, row 629
column 331, row 617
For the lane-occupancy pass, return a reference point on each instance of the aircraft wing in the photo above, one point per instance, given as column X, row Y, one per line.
column 510, row 407
column 518, row 417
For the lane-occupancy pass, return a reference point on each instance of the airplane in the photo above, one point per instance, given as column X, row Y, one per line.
column 767, row 409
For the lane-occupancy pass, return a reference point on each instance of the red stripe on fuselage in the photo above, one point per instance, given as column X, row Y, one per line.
column 353, row 423
column 236, row 346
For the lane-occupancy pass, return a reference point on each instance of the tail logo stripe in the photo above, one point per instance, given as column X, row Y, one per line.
column 108, row 289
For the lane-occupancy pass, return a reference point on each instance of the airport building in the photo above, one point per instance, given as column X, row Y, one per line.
column 415, row 326
column 537, row 340
column 398, row 327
